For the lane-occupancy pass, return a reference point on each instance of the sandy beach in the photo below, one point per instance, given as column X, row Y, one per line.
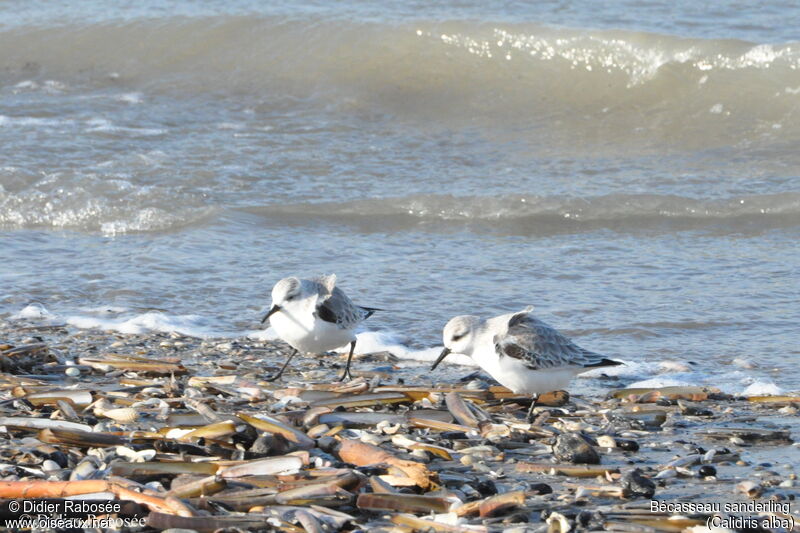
column 189, row 430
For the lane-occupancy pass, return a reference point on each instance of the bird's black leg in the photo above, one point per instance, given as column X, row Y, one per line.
column 280, row 372
column 346, row 374
column 530, row 410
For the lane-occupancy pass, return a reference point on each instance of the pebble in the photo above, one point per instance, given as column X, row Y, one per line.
column 751, row 489
column 72, row 372
column 573, row 448
column 707, row 471
column 635, row 485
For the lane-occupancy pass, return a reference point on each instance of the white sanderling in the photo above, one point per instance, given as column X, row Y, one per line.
column 520, row 351
column 314, row 316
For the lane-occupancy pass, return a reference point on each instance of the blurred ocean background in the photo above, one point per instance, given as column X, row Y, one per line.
column 630, row 168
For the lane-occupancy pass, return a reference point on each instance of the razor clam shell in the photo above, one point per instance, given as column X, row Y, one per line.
column 78, row 398
column 42, row 423
column 272, row 465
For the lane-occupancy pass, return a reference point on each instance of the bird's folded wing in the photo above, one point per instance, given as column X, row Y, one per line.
column 538, row 346
column 337, row 308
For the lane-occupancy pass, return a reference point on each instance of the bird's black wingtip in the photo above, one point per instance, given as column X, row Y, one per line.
column 369, row 311
column 604, row 362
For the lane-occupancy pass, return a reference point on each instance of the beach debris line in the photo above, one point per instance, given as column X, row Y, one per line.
column 154, row 420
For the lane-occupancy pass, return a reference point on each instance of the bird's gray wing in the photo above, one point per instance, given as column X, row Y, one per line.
column 538, row 346
column 335, row 307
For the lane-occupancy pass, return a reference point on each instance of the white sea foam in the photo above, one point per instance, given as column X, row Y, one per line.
column 153, row 321
column 262, row 334
column 102, row 125
column 386, row 341
column 34, row 311
column 645, row 374
column 762, row 388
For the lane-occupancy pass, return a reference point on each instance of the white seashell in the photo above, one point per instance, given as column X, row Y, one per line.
column 84, row 470
column 666, row 474
column 558, row 523
column 177, row 433
column 387, row 428
column 133, row 456
column 124, row 415
column 403, row 441
column 751, row 489
column 687, row 460
column 156, row 486
column 371, row 439
column 50, row 466
column 606, row 441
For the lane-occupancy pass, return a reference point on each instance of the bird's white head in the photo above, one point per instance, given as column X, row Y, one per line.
column 459, row 336
column 286, row 292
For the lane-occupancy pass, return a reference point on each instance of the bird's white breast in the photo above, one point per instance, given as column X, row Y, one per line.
column 307, row 333
column 513, row 374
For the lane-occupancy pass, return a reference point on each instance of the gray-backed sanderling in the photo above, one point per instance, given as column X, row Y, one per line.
column 314, row 316
column 520, row 351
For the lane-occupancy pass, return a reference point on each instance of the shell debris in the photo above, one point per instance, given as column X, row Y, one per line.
column 199, row 445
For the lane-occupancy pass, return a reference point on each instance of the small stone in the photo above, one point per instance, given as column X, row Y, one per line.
column 487, row 487
column 72, row 372
column 751, row 489
column 327, row 444
column 540, row 488
column 635, row 485
column 786, row 484
column 627, row 445
column 262, row 445
column 707, row 470
column 573, row 448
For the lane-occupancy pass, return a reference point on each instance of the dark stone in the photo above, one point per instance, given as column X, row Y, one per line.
column 540, row 488
column 573, row 448
column 60, row 458
column 696, row 411
column 707, row 470
column 451, row 435
column 584, row 518
column 262, row 445
column 486, row 487
column 627, row 445
column 635, row 485
column 327, row 444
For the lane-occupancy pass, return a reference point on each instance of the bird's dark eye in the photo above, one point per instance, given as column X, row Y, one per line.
column 458, row 337
column 290, row 297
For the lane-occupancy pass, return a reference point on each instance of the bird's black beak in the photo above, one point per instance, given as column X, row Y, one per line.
column 274, row 309
column 441, row 356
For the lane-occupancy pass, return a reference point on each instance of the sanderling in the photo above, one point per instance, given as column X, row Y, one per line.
column 520, row 351
column 314, row 316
